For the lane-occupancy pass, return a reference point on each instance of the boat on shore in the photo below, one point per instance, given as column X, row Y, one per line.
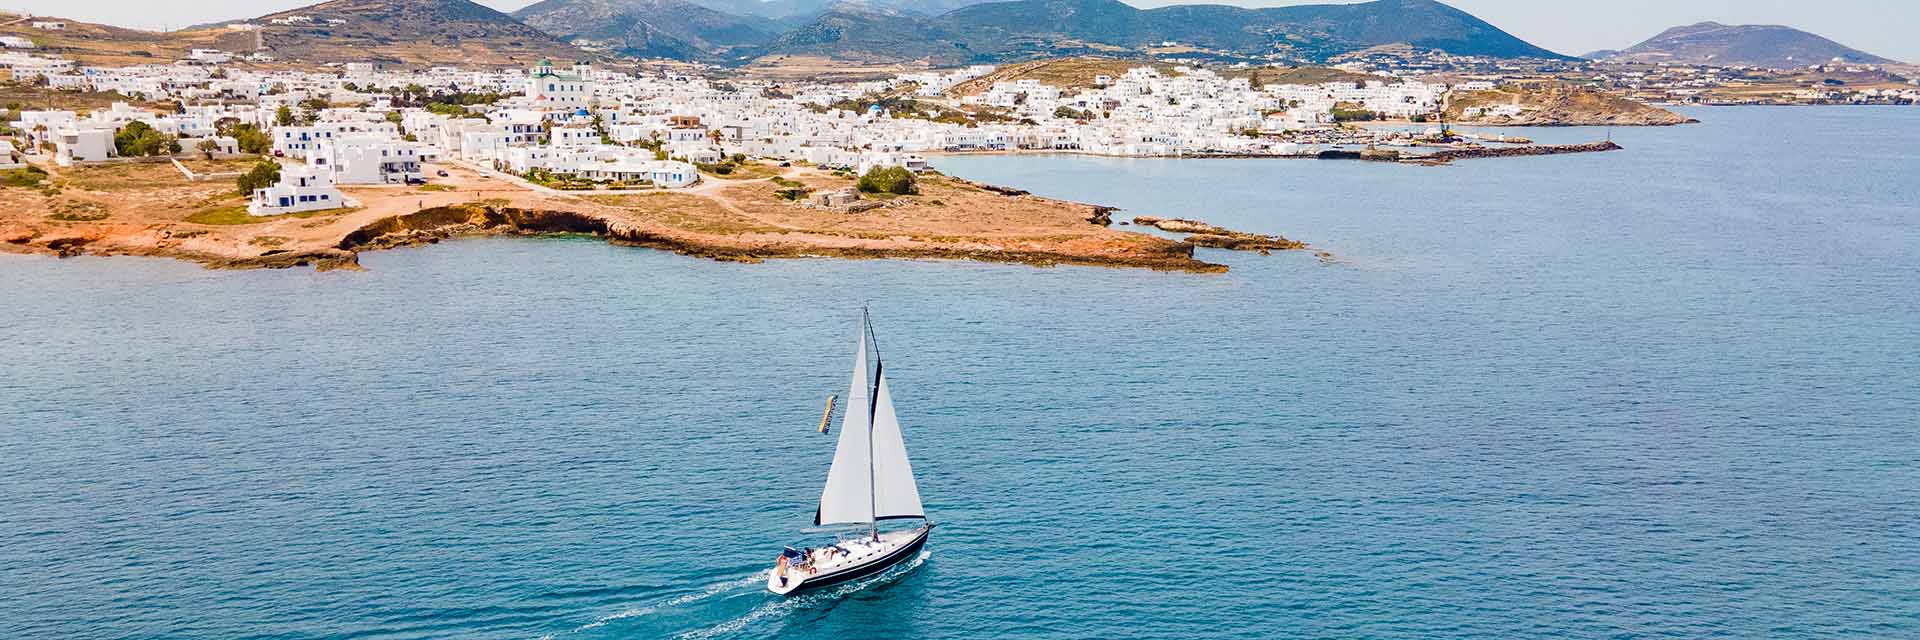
column 871, row 482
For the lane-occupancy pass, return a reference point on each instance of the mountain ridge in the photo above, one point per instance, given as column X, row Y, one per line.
column 412, row 32
column 1753, row 45
column 1008, row 29
column 650, row 28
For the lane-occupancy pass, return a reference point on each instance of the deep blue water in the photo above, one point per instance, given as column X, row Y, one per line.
column 1667, row 392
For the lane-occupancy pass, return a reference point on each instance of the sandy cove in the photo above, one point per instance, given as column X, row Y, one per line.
column 151, row 209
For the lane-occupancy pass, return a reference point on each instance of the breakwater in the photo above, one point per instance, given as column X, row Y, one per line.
column 1514, row 152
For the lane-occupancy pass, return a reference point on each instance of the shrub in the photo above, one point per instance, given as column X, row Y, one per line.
column 28, row 176
column 896, row 180
column 1345, row 112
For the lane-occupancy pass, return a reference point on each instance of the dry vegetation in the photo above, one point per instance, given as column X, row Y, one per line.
column 14, row 95
column 97, row 44
column 785, row 68
column 150, row 209
column 1557, row 105
column 1079, row 73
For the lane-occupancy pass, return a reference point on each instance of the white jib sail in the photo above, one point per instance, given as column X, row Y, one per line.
column 895, row 493
column 848, row 497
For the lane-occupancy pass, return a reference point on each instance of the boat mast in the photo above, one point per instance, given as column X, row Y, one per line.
column 873, row 402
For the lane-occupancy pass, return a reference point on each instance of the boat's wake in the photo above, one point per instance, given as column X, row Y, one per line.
column 682, row 600
column 783, row 606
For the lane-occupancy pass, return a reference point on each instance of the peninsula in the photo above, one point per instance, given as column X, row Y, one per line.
column 156, row 209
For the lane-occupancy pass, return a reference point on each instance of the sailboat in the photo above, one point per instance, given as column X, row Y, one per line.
column 870, row 482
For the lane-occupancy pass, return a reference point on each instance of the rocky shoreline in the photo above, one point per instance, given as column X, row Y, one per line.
column 1210, row 235
column 749, row 220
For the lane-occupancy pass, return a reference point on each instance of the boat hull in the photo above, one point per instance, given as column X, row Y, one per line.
column 843, row 575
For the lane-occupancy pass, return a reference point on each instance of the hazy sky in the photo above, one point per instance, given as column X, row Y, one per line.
column 1883, row 27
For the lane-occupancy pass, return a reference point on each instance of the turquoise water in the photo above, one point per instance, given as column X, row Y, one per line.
column 1666, row 392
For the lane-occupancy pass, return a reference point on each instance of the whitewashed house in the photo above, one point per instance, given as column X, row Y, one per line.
column 295, row 142
column 209, row 56
column 82, row 144
column 367, row 160
column 301, row 188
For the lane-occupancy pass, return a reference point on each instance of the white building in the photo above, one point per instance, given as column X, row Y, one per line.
column 550, row 89
column 367, row 161
column 301, row 188
column 210, row 56
column 82, row 144
column 295, row 142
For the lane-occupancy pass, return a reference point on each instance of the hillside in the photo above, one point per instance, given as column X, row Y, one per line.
column 650, row 28
column 408, row 33
column 1030, row 28
column 1555, row 105
column 871, row 36
column 1740, row 45
column 803, row 10
column 1080, row 73
column 98, row 44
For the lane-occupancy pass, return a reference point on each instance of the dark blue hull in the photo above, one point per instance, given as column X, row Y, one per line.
column 862, row 571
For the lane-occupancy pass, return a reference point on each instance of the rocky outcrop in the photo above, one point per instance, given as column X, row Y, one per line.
column 1101, row 216
column 433, row 225
column 1005, row 191
column 319, row 259
column 1210, row 235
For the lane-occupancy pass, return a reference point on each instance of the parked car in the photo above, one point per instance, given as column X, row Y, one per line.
column 443, row 173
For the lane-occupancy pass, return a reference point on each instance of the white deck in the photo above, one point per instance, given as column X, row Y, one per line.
column 826, row 561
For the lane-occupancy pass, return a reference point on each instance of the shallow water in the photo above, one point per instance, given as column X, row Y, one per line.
column 1669, row 391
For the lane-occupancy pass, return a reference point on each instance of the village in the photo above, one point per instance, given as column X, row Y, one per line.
column 724, row 165
column 578, row 127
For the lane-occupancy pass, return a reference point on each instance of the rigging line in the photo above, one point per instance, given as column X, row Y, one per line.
column 873, row 405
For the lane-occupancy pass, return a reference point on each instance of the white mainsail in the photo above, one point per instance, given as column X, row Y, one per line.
column 848, row 497
column 895, row 494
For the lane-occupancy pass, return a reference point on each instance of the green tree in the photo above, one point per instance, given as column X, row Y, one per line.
column 263, row 174
column 251, row 138
column 139, row 140
column 283, row 117
column 896, row 180
column 310, row 109
column 208, row 147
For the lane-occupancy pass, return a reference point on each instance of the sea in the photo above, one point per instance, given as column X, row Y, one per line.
column 1666, row 392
